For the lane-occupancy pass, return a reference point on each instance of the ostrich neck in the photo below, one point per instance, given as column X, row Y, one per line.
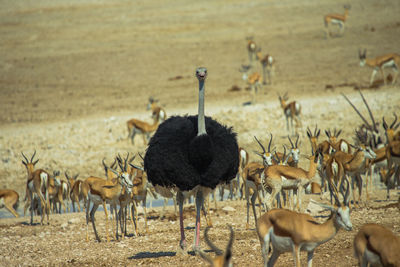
column 201, row 124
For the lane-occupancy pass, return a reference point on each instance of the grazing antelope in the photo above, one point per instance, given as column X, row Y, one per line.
column 223, row 258
column 289, row 231
column 37, row 187
column 338, row 19
column 376, row 245
column 9, row 199
column 379, row 63
column 141, row 127
column 156, row 110
column 253, row 80
column 100, row 191
column 278, row 177
column 268, row 65
column 251, row 49
column 291, row 111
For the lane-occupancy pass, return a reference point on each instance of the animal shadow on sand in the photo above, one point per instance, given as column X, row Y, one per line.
column 155, row 255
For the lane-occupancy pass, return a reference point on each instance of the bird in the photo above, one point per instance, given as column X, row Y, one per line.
column 192, row 155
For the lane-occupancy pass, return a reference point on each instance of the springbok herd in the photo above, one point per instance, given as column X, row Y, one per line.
column 338, row 167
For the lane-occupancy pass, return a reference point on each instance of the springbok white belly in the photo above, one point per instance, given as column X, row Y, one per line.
column 389, row 64
column 282, row 244
column 290, row 183
column 372, row 258
column 285, row 244
column 337, row 22
column 95, row 198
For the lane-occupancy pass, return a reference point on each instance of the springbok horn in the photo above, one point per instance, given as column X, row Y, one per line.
column 136, row 167
column 394, row 122
column 211, row 244
column 269, row 144
column 369, row 111
column 228, row 251
column 140, row 155
column 34, row 153
column 346, row 195
column 334, row 192
column 66, row 175
column 290, row 140
column 260, row 144
column 297, row 140
column 309, row 132
column 27, row 161
column 359, row 114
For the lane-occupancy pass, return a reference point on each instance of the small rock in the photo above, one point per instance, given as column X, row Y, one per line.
column 228, row 208
column 73, row 220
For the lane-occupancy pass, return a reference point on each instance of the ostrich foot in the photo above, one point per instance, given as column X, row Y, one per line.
column 182, row 249
column 197, row 249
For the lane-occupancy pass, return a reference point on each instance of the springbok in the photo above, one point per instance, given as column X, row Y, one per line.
column 376, row 245
column 9, row 199
column 289, row 231
column 291, row 111
column 338, row 19
column 379, row 63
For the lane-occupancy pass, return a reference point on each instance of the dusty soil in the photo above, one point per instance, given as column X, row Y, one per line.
column 72, row 73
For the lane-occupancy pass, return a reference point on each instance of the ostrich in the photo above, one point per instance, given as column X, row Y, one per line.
column 192, row 154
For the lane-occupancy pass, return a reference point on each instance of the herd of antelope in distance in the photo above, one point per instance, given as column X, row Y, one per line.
column 272, row 181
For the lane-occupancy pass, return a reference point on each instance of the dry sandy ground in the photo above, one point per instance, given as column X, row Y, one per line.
column 72, row 73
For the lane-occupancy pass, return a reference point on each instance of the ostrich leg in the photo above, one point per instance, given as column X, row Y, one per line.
column 199, row 205
column 182, row 243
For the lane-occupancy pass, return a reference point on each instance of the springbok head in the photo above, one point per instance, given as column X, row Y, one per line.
column 266, row 155
column 294, row 149
column 29, row 164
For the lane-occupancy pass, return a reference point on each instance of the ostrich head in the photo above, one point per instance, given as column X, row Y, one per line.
column 201, row 74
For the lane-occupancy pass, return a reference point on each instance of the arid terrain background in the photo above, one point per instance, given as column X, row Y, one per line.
column 73, row 72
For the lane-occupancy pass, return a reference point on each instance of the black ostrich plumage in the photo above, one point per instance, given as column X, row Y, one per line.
column 176, row 156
